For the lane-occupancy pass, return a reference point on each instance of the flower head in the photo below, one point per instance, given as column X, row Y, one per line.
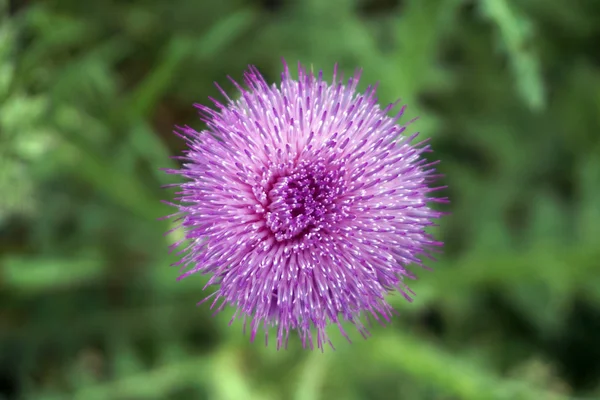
column 304, row 203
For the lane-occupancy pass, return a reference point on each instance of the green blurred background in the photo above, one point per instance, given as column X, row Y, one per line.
column 509, row 92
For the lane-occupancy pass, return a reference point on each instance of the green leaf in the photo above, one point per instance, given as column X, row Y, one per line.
column 434, row 366
column 312, row 377
column 516, row 32
column 145, row 97
column 149, row 384
column 38, row 274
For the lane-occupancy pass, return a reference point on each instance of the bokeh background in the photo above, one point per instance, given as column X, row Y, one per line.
column 509, row 93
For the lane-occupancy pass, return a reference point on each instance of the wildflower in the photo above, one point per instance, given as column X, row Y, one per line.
column 304, row 203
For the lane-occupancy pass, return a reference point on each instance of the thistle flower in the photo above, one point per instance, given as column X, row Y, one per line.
column 304, row 203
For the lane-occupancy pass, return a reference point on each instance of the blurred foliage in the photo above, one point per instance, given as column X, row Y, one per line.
column 509, row 92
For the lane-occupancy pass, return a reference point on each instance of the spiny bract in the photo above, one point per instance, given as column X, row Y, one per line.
column 304, row 203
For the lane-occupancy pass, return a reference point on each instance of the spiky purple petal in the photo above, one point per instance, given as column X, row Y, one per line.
column 304, row 203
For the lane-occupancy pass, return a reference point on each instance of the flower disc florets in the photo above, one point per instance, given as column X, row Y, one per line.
column 304, row 203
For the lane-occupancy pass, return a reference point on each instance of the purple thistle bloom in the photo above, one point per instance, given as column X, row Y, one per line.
column 304, row 203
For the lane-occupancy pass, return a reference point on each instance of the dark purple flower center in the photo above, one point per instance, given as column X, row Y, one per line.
column 302, row 201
